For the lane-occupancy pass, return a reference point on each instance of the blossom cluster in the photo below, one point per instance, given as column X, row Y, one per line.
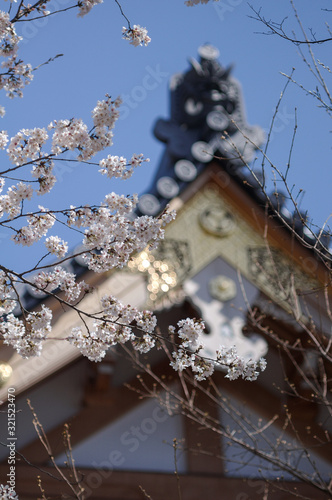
column 86, row 5
column 115, row 327
column 190, row 332
column 60, row 279
column 12, row 200
column 136, row 35
column 73, row 134
column 8, row 36
column 26, row 335
column 106, row 112
column 25, row 10
column 112, row 234
column 3, row 139
column 115, row 166
column 7, row 302
column 69, row 134
column 187, row 355
column 116, row 323
column 38, row 226
column 7, row 493
column 43, row 171
column 237, row 366
column 16, row 74
column 56, row 246
column 26, row 147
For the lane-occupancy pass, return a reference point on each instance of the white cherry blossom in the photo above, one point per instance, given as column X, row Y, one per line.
column 38, row 226
column 136, row 35
column 6, row 492
column 3, row 139
column 26, row 145
column 86, row 5
column 62, row 279
column 11, row 201
column 56, row 246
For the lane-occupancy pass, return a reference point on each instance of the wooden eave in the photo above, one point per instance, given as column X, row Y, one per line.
column 127, row 485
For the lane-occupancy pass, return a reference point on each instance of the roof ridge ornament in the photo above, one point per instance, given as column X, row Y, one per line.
column 208, row 51
column 207, row 122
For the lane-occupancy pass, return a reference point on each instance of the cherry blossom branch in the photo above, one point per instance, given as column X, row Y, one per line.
column 47, row 14
column 122, row 13
column 245, row 437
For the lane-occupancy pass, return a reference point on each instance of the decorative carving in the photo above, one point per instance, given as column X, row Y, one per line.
column 222, row 288
column 273, row 271
column 217, row 220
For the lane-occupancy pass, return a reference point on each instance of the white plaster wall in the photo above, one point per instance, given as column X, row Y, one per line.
column 141, row 440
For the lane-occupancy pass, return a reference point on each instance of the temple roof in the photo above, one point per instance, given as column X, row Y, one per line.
column 207, row 124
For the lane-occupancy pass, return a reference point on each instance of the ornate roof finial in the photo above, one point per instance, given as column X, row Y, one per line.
column 207, row 120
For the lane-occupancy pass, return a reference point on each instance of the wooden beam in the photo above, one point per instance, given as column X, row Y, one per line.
column 125, row 485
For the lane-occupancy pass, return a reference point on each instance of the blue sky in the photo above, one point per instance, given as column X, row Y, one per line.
column 97, row 61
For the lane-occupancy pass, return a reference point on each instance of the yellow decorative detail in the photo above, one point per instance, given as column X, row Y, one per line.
column 161, row 275
column 5, row 373
column 233, row 249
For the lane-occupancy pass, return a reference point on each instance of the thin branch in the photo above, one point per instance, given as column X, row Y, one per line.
column 277, row 29
column 123, row 14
